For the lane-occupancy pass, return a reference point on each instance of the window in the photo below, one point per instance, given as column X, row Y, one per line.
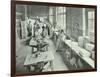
column 51, row 15
column 61, row 17
column 57, row 16
column 91, row 25
column 90, row 22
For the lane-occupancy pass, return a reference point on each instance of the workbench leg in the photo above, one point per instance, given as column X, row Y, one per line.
column 28, row 68
column 51, row 65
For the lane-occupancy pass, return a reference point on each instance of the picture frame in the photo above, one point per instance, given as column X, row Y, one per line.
column 76, row 29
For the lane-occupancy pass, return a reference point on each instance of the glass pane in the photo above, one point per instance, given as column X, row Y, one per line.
column 64, row 9
column 51, row 11
column 60, row 9
column 90, row 14
column 91, row 25
column 93, row 15
column 60, row 21
column 51, row 19
column 64, row 22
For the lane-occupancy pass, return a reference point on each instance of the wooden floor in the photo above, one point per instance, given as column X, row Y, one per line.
column 22, row 49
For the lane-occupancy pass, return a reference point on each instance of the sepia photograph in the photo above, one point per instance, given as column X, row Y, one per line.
column 53, row 38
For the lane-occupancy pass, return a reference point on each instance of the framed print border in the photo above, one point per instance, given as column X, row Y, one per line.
column 13, row 37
